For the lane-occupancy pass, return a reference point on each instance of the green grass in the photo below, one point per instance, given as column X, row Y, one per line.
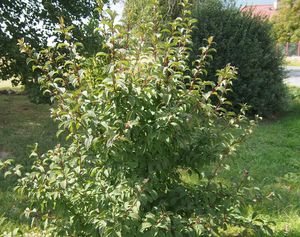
column 271, row 154
column 272, row 157
column 22, row 124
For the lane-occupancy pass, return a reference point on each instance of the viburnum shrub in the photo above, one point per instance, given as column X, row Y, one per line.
column 138, row 120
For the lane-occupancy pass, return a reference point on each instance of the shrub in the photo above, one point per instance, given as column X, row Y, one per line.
column 138, row 118
column 245, row 41
column 35, row 94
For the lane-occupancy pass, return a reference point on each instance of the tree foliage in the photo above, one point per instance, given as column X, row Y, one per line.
column 141, row 11
column 246, row 42
column 138, row 118
column 287, row 21
column 35, row 21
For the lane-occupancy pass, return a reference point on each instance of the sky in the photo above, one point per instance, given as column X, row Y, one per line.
column 254, row 2
column 118, row 7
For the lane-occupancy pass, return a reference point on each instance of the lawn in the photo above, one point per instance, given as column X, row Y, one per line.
column 22, row 124
column 271, row 155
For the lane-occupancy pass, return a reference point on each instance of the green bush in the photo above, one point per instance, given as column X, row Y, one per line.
column 138, row 119
column 35, row 94
column 245, row 41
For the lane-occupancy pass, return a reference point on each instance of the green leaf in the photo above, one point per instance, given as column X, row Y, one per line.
column 63, row 184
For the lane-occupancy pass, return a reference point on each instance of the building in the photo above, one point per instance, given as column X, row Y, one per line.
column 266, row 10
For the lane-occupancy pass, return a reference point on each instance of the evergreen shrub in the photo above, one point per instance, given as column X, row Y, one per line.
column 246, row 42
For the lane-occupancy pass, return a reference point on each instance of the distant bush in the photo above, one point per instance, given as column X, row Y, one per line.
column 35, row 94
column 245, row 41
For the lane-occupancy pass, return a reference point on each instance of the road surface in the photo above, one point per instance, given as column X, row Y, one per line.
column 293, row 76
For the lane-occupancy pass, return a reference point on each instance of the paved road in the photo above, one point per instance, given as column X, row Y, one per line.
column 293, row 76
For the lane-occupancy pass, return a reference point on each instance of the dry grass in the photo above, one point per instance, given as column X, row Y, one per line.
column 7, row 85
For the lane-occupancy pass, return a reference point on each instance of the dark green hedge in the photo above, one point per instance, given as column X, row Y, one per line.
column 244, row 41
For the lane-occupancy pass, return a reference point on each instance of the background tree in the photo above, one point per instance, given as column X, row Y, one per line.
column 35, row 21
column 287, row 21
column 139, row 11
